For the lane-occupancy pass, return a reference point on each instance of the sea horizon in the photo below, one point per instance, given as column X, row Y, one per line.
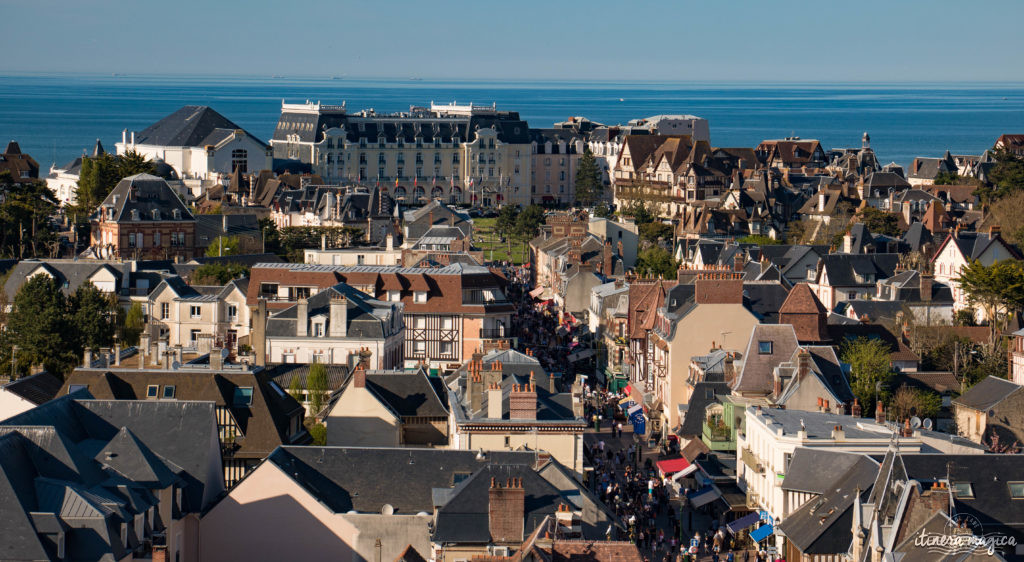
column 55, row 116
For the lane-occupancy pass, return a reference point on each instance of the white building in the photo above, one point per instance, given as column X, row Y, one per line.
column 961, row 248
column 696, row 127
column 200, row 144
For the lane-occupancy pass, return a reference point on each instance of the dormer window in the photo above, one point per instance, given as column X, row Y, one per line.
column 394, row 296
column 135, row 214
column 420, row 296
column 176, row 214
column 156, row 214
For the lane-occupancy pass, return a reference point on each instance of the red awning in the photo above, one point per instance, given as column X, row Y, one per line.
column 672, row 466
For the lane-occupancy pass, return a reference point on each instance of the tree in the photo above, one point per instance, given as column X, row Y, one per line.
column 131, row 163
column 656, row 262
column 589, row 187
column 528, row 222
column 92, row 315
column 654, row 231
column 131, row 325
column 223, row 246
column 318, row 432
column 37, row 325
column 759, row 239
column 640, row 212
column 1007, row 176
column 948, row 178
column 25, row 225
column 909, row 402
column 870, row 369
column 295, row 388
column 603, row 210
column 1008, row 213
column 998, row 289
column 316, row 385
column 505, row 225
column 218, row 273
column 880, row 222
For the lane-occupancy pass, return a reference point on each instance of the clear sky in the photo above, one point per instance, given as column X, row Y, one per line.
column 670, row 40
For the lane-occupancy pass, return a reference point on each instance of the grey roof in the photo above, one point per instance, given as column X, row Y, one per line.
column 973, row 244
column 815, row 470
column 192, row 125
column 843, row 269
column 366, row 317
column 693, row 422
column 409, row 394
column 819, row 425
column 765, row 298
column 144, row 198
column 38, row 388
column 69, row 274
column 987, row 393
column 756, row 375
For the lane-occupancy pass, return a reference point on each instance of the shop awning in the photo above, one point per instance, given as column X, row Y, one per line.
column 537, row 292
column 672, row 466
column 580, row 355
column 743, row 522
column 761, row 533
column 703, row 496
column 684, row 472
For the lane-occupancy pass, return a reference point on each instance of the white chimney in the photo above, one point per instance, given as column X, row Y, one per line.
column 124, row 136
column 133, row 138
column 821, row 201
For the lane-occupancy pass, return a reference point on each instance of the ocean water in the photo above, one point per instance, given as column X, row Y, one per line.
column 55, row 117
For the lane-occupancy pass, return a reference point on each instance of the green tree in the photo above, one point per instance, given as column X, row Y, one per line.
column 131, row 324
column 26, row 229
column 880, row 222
column 759, row 239
column 528, row 222
column 654, row 231
column 603, row 210
column 131, row 163
column 948, row 178
column 223, row 246
column 96, row 179
column 505, row 225
column 295, row 388
column 218, row 273
column 998, row 289
column 92, row 314
column 640, row 212
column 318, row 432
column 1007, row 177
column 589, row 188
column 316, row 385
column 870, row 369
column 656, row 262
column 38, row 326
column 908, row 402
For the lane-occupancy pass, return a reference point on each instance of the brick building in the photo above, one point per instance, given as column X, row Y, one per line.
column 143, row 217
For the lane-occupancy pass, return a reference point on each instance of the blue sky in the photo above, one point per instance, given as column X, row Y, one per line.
column 680, row 40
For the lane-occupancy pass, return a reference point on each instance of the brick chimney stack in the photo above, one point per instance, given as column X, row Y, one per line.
column 718, row 288
column 879, row 412
column 522, row 402
column 359, row 377
column 926, row 287
column 803, row 365
column 606, row 261
column 856, row 410
column 737, row 262
column 506, row 510
column 494, row 401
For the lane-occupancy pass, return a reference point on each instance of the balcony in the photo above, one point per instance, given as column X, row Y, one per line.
column 717, row 437
column 750, row 459
column 494, row 333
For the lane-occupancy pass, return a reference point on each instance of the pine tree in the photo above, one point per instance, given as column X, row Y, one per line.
column 589, row 188
column 38, row 325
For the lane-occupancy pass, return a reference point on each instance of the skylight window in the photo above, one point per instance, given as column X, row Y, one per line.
column 277, row 388
column 962, row 489
column 152, row 390
column 242, row 397
column 1017, row 490
column 169, row 391
column 76, row 387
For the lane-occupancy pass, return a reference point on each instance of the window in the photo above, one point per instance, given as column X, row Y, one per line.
column 76, row 387
column 239, row 160
column 318, row 330
column 169, row 391
column 420, row 323
column 296, row 293
column 165, row 310
column 1017, row 490
column 268, row 290
column 361, row 259
column 195, row 311
column 447, row 323
column 508, row 441
column 420, row 296
column 394, row 296
column 152, row 390
column 419, row 347
column 156, row 235
column 242, row 397
column 764, row 347
column 194, row 336
column 962, row 489
column 446, row 348
column 232, row 311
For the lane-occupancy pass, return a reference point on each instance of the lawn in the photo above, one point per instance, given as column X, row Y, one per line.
column 494, row 249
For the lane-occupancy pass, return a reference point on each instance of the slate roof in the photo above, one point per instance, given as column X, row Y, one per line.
column 987, row 393
column 693, row 422
column 815, row 470
column 71, row 274
column 264, row 424
column 144, row 198
column 366, row 317
column 409, row 394
column 38, row 388
column 191, row 125
column 825, row 365
column 756, row 375
column 843, row 269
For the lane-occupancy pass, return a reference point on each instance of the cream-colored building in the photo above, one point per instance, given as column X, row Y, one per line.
column 184, row 315
column 505, row 401
column 706, row 315
column 389, row 255
column 455, row 153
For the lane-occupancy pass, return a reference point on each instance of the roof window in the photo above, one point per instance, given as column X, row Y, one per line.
column 152, row 391
column 242, row 397
column 169, row 392
column 962, row 489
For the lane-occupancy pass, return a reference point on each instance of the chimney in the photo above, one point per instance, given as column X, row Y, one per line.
column 838, row 434
column 177, row 355
column 117, row 354
column 737, row 262
column 494, row 402
column 879, row 412
column 907, row 430
column 224, row 223
column 926, row 287
column 159, row 553
column 718, row 288
column 822, row 196
column 302, row 318
column 259, row 332
column 144, row 346
column 87, row 358
column 848, row 243
column 476, row 390
column 506, row 510
column 522, row 402
column 551, row 383
column 359, row 377
column 216, row 358
column 803, row 365
column 339, row 317
column 323, row 242
column 856, row 410
column 133, row 138
column 993, row 230
column 606, row 262
column 124, row 136
column 390, row 241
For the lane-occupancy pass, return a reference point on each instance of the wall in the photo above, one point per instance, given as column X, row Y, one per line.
column 267, row 506
column 359, row 420
column 565, row 447
column 624, row 232
column 11, row 404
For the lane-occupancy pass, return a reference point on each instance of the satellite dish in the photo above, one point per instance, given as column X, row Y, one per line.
column 927, row 424
column 915, row 422
column 991, row 413
column 388, row 509
column 175, row 365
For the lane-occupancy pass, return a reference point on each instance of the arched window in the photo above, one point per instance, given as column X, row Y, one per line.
column 240, row 160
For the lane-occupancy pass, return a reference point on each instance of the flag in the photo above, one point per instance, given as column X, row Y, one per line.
column 396, row 181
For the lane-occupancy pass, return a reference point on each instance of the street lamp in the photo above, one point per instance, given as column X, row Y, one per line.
column 14, row 351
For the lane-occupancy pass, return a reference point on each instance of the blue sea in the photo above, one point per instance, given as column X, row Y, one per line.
column 55, row 117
